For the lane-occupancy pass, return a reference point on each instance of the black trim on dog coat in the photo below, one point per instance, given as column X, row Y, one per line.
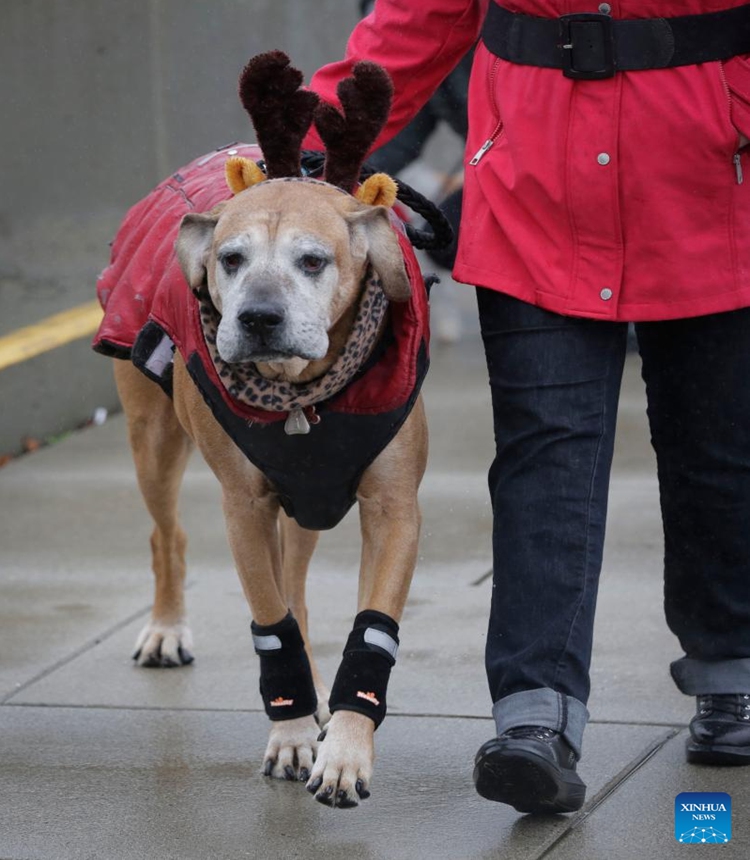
column 315, row 475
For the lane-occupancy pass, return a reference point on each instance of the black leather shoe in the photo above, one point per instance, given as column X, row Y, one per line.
column 720, row 730
column 533, row 769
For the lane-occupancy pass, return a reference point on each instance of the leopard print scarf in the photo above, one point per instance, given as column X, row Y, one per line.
column 247, row 386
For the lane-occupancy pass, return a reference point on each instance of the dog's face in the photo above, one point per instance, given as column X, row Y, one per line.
column 283, row 261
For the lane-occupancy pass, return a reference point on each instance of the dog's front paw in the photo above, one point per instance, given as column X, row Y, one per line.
column 164, row 645
column 291, row 750
column 343, row 768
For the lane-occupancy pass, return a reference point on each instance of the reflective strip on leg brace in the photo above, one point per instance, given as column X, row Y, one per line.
column 286, row 683
column 362, row 679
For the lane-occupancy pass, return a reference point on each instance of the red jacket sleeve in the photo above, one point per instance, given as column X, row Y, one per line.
column 418, row 42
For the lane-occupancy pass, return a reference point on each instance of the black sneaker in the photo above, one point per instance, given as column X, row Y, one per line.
column 533, row 769
column 720, row 730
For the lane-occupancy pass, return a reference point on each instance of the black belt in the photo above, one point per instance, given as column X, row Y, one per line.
column 593, row 45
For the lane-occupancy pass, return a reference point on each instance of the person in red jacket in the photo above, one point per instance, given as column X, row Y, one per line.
column 604, row 183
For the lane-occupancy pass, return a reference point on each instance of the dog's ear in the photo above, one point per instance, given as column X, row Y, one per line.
column 383, row 250
column 377, row 190
column 242, row 173
column 193, row 246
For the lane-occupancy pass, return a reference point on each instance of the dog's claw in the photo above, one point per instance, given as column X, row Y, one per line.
column 304, row 774
column 326, row 796
column 186, row 656
column 289, row 772
column 157, row 660
column 343, row 801
column 315, row 785
column 268, row 768
column 361, row 790
column 322, row 735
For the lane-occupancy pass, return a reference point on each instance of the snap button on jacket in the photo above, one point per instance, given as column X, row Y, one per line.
column 619, row 199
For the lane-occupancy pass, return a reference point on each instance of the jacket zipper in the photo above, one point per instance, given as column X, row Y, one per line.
column 737, row 157
column 489, row 143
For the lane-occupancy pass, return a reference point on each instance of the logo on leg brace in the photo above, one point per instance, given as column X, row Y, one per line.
column 281, row 702
column 370, row 697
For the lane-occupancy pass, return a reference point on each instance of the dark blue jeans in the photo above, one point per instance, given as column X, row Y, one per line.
column 555, row 384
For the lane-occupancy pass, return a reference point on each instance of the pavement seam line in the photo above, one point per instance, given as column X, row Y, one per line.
column 676, row 727
column 87, row 646
column 609, row 789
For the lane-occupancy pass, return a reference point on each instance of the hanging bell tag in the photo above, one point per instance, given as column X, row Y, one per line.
column 296, row 424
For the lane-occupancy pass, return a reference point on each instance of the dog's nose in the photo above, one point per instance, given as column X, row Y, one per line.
column 260, row 319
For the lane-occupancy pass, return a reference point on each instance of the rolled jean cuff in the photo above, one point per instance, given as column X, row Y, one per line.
column 543, row 707
column 709, row 677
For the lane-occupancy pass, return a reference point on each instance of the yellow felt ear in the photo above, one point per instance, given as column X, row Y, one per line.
column 242, row 173
column 377, row 190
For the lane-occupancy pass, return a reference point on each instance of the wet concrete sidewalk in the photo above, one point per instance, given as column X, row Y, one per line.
column 100, row 759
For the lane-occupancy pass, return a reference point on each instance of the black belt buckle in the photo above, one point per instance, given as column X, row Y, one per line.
column 588, row 46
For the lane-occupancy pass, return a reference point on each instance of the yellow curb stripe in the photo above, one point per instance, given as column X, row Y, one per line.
column 49, row 333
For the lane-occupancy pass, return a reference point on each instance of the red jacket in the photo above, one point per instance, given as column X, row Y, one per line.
column 144, row 283
column 149, row 309
column 618, row 199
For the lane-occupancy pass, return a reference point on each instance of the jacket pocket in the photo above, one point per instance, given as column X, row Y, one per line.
column 735, row 74
column 498, row 126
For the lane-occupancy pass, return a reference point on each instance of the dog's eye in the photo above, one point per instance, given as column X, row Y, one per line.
column 231, row 262
column 311, row 264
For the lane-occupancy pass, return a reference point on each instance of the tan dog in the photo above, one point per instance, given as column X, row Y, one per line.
column 283, row 263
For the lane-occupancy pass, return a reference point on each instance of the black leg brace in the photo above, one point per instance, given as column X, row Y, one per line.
column 286, row 683
column 362, row 679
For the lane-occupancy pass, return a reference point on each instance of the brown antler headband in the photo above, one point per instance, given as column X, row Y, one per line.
column 280, row 111
column 366, row 101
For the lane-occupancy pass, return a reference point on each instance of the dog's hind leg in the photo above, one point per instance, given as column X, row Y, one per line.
column 160, row 450
column 297, row 547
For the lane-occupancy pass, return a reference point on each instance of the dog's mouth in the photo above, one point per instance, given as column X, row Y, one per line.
column 273, row 356
column 263, row 354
